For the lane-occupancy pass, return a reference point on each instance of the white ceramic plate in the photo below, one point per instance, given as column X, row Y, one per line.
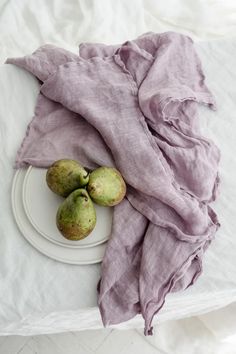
column 57, row 251
column 41, row 205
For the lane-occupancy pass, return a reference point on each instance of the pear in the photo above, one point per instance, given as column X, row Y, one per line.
column 106, row 186
column 76, row 216
column 64, row 176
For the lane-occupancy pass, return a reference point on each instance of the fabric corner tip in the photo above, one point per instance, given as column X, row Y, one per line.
column 9, row 61
column 148, row 331
column 213, row 105
column 16, row 166
column 19, row 164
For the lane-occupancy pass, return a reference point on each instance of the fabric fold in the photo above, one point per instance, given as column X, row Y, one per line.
column 134, row 106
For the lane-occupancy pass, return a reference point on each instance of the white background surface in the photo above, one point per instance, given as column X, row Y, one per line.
column 30, row 281
column 186, row 336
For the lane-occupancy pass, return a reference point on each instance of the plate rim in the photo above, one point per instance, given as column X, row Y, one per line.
column 35, row 245
column 27, row 173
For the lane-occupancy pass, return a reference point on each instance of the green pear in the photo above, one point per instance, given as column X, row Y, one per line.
column 64, row 176
column 76, row 216
column 106, row 186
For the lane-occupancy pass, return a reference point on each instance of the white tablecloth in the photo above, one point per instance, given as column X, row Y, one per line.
column 39, row 295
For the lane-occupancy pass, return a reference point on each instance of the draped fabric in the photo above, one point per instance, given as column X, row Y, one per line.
column 134, row 106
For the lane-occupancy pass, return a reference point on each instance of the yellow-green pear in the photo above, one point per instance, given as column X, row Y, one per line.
column 106, row 186
column 76, row 216
column 65, row 175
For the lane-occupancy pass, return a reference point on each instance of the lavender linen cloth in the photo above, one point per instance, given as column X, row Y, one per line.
column 134, row 106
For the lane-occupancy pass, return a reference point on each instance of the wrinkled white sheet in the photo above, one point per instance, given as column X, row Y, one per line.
column 27, row 24
column 39, row 295
column 212, row 333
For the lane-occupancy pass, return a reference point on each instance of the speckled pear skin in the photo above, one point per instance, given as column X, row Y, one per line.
column 64, row 176
column 76, row 216
column 106, row 186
